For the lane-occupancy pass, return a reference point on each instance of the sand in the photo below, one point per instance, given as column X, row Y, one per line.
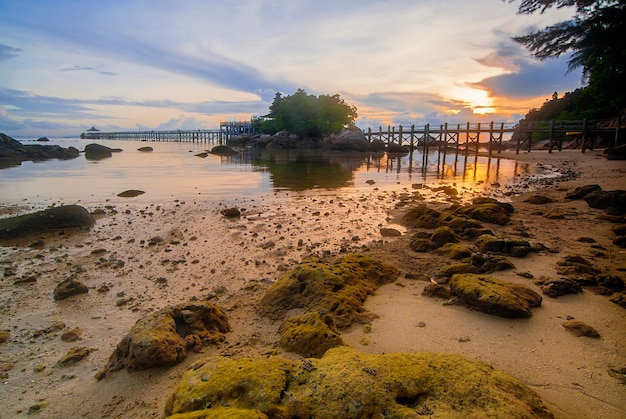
column 204, row 255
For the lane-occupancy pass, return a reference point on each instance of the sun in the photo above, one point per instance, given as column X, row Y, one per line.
column 476, row 99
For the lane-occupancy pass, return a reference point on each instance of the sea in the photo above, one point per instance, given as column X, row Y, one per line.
column 184, row 171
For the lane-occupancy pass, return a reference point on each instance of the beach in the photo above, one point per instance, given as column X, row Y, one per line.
column 139, row 258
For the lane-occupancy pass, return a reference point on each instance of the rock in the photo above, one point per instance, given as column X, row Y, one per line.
column 613, row 202
column 619, row 299
column 309, row 335
column 72, row 335
column 223, row 150
column 578, row 328
column 619, row 230
column 13, row 153
column 620, row 242
column 489, row 243
column 43, row 139
column 582, row 191
column 487, row 212
column 5, row 336
column 68, row 288
column 616, row 153
column 339, row 289
column 420, row 244
column 145, row 149
column 231, row 212
column 97, row 152
column 394, row 148
column 163, row 338
column 538, row 200
column 130, row 193
column 346, row 384
column 443, row 235
column 459, row 268
column 488, row 200
column 436, row 291
column 350, row 139
column 202, row 155
column 455, row 251
column 62, row 218
column 74, row 356
column 611, row 282
column 491, row 263
column 493, row 296
column 557, row 287
column 390, row 232
column 421, row 217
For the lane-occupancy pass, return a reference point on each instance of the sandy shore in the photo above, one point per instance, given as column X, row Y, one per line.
column 204, row 255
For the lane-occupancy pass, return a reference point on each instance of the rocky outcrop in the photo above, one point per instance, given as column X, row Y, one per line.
column 97, row 152
column 62, row 218
column 339, row 290
column 163, row 338
column 223, row 150
column 309, row 335
column 493, row 296
column 345, row 384
column 613, row 202
column 13, row 153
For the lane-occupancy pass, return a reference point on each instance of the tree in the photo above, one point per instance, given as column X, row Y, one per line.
column 309, row 116
column 596, row 37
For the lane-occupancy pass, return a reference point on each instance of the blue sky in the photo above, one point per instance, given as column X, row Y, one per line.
column 66, row 65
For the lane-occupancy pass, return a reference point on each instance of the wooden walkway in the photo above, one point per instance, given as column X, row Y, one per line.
column 466, row 137
column 471, row 136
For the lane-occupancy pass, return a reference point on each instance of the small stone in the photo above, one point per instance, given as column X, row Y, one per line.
column 578, row 328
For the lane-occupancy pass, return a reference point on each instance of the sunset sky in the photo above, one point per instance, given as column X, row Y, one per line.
column 66, row 65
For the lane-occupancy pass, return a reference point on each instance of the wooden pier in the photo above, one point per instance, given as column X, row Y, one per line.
column 467, row 137
column 219, row 136
column 472, row 136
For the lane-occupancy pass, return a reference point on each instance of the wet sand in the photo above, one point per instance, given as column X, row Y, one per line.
column 201, row 254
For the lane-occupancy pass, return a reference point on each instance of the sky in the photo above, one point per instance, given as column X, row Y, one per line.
column 122, row 65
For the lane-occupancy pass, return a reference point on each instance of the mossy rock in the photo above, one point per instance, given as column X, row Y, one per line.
column 487, row 212
column 421, row 217
column 419, row 244
column 339, row 289
column 223, row 150
column 463, row 226
column 345, row 383
column 310, row 335
column 459, row 268
column 443, row 235
column 221, row 413
column 249, row 383
column 491, row 263
column 163, row 338
column 492, row 296
column 455, row 251
column 489, row 243
column 64, row 217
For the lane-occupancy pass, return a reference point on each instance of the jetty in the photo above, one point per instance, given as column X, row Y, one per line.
column 469, row 136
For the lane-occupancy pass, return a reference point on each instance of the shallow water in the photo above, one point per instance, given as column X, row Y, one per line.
column 173, row 171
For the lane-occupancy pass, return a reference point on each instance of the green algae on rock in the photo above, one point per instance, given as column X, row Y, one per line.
column 221, row 413
column 338, row 289
column 310, row 335
column 163, row 338
column 421, row 217
column 61, row 218
column 345, row 383
column 489, row 212
column 493, row 296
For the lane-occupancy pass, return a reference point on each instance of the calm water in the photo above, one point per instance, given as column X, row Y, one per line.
column 173, row 171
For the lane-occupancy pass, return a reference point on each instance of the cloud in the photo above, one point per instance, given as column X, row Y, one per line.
column 533, row 79
column 7, row 52
column 87, row 69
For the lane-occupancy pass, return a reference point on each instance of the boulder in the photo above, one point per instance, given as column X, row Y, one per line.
column 146, row 149
column 350, row 139
column 443, row 235
column 488, row 212
column 309, row 335
column 64, row 218
column 339, row 289
column 436, row 291
column 538, row 199
column 74, row 355
column 13, row 153
column 616, row 153
column 163, row 338
column 421, row 217
column 505, row 246
column 614, row 202
column 557, row 287
column 346, row 384
column 582, row 191
column 97, row 151
column 223, row 150
column 68, row 288
column 492, row 296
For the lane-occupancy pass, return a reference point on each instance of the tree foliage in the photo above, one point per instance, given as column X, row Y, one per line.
column 596, row 39
column 309, row 116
